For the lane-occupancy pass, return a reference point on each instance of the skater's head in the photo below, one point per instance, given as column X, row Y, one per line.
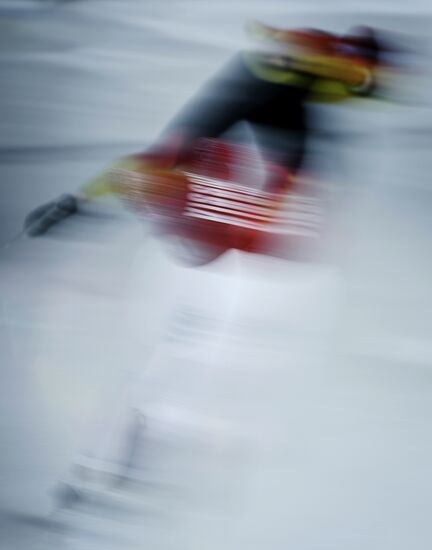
column 351, row 59
column 359, row 42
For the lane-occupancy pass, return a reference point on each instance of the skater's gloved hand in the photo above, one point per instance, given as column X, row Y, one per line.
column 40, row 220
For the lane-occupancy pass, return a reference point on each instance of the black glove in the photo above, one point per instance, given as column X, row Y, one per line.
column 43, row 217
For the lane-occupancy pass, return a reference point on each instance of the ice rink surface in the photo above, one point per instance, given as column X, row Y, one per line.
column 285, row 405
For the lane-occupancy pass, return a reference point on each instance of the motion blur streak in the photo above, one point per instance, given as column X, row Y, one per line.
column 252, row 402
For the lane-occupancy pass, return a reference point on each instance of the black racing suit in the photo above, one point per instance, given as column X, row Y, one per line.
column 276, row 112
